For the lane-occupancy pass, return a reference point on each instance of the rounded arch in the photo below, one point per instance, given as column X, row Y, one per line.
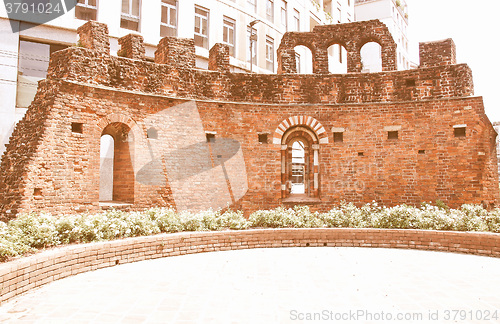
column 304, row 59
column 121, row 182
column 337, row 57
column 300, row 162
column 116, row 118
column 313, row 124
column 371, row 57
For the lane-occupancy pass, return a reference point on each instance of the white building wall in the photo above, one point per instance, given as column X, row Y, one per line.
column 396, row 19
column 62, row 31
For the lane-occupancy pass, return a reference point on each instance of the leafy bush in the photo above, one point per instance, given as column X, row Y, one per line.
column 30, row 232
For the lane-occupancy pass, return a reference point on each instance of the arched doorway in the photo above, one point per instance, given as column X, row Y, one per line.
column 300, row 163
column 116, row 173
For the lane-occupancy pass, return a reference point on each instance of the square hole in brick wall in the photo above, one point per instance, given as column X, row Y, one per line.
column 338, row 137
column 361, row 154
column 421, row 151
column 410, row 83
column 393, row 135
column 210, row 138
column 263, row 138
column 459, row 131
column 152, row 133
column 77, row 128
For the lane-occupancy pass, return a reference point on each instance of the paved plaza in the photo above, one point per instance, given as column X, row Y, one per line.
column 285, row 285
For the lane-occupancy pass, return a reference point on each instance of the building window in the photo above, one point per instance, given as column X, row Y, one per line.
column 269, row 53
column 32, row 67
column 270, row 10
column 252, row 4
column 228, row 35
column 253, row 41
column 86, row 10
column 284, row 19
column 130, row 14
column 296, row 20
column 201, row 27
column 168, row 25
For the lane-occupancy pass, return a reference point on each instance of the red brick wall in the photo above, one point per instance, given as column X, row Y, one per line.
column 49, row 167
column 24, row 274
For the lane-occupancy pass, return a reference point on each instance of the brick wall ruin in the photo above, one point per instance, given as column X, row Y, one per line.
column 197, row 139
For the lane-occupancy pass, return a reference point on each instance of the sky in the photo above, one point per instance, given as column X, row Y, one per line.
column 473, row 26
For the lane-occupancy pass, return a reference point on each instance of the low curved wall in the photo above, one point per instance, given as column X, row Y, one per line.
column 21, row 275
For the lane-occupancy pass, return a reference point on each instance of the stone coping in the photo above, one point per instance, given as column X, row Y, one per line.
column 23, row 274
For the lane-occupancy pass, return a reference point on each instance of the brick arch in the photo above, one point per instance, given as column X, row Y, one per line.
column 121, row 128
column 308, row 121
column 352, row 36
column 116, row 118
column 286, row 50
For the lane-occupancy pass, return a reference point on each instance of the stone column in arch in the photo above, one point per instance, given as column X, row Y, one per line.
column 315, row 148
column 286, row 61
column 353, row 58
column 320, row 60
column 389, row 58
column 284, row 179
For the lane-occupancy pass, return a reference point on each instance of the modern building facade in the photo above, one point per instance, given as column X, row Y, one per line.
column 25, row 55
column 393, row 13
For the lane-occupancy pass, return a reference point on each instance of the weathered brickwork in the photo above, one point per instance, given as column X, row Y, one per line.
column 132, row 46
column 438, row 53
column 351, row 36
column 197, row 139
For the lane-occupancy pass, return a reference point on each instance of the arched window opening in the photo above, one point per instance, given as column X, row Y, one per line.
column 106, row 168
column 298, row 168
column 300, row 163
column 116, row 173
column 303, row 60
column 337, row 59
column 371, row 57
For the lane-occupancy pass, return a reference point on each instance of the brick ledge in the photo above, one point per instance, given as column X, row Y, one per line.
column 23, row 274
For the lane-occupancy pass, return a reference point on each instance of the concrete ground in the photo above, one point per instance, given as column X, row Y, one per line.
column 285, row 285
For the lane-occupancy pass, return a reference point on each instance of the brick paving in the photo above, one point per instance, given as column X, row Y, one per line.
column 268, row 286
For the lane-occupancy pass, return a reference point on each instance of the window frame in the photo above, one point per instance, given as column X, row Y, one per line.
column 86, row 7
column 270, row 10
column 230, row 41
column 128, row 16
column 296, row 19
column 167, row 25
column 202, row 17
column 270, row 53
column 284, row 12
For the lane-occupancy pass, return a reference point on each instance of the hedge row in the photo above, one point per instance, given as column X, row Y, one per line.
column 31, row 232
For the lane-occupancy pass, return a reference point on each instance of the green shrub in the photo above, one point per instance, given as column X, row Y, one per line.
column 34, row 231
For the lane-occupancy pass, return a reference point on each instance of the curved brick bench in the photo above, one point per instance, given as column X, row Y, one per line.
column 23, row 274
